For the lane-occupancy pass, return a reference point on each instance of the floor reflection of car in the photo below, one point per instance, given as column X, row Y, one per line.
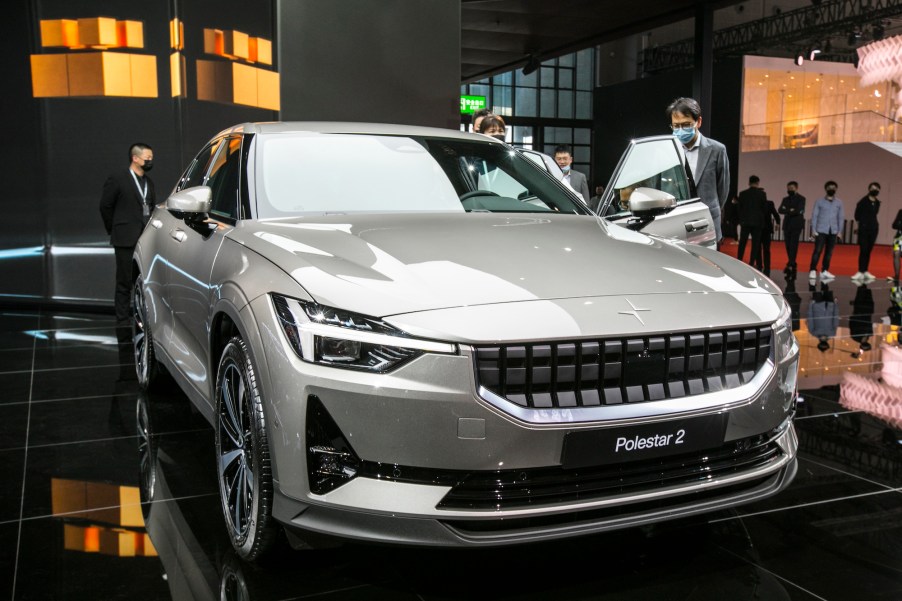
column 417, row 336
column 650, row 172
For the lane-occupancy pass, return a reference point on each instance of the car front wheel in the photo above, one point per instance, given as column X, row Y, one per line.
column 242, row 452
column 146, row 366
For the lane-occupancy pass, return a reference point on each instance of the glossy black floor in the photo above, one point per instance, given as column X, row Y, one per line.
column 81, row 448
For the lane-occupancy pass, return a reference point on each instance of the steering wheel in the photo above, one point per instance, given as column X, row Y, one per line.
column 473, row 193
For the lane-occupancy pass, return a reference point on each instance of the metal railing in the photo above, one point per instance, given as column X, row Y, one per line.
column 842, row 128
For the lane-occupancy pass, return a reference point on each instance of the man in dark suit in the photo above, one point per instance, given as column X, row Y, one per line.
column 125, row 205
column 752, row 202
column 564, row 159
column 771, row 220
column 793, row 210
column 706, row 158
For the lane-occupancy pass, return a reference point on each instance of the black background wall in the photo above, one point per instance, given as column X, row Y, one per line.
column 61, row 150
column 636, row 108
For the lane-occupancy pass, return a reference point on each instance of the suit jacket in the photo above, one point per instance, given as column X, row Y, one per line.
column 579, row 183
column 712, row 177
column 793, row 207
column 751, row 207
column 121, row 207
column 771, row 216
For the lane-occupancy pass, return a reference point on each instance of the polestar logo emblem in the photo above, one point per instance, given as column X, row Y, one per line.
column 634, row 312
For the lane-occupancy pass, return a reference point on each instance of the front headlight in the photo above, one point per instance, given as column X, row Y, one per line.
column 328, row 336
column 785, row 339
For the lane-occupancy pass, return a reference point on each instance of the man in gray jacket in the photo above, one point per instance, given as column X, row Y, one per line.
column 706, row 158
column 564, row 159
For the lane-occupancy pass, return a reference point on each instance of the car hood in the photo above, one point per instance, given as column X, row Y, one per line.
column 393, row 264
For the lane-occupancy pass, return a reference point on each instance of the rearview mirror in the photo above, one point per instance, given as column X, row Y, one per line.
column 191, row 201
column 648, row 202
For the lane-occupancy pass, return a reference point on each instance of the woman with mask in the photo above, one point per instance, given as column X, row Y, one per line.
column 866, row 215
column 493, row 125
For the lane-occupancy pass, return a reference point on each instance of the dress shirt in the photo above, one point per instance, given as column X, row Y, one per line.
column 828, row 216
column 692, row 155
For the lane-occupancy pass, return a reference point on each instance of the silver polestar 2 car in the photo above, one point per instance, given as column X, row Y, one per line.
column 419, row 336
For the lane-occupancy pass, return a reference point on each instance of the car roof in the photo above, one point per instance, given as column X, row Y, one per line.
column 352, row 127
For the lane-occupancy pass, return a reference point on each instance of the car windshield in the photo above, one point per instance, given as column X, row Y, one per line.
column 306, row 173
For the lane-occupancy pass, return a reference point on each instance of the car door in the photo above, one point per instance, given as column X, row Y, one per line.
column 657, row 162
column 196, row 245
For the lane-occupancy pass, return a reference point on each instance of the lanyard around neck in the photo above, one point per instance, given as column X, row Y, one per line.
column 143, row 192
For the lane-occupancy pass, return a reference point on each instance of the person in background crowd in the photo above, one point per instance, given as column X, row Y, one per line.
column 751, row 220
column 861, row 321
column 125, row 205
column 826, row 225
column 493, row 125
column 823, row 316
column 478, row 116
column 730, row 220
column 706, row 159
column 564, row 159
column 771, row 220
column 866, row 215
column 793, row 210
column 595, row 201
column 897, row 246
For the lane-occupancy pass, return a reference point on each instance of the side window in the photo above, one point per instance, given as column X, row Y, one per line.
column 654, row 164
column 224, row 179
column 194, row 175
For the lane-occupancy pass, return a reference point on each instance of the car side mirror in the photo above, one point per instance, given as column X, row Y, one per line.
column 192, row 202
column 646, row 203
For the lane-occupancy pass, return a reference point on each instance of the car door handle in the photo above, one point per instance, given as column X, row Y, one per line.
column 156, row 223
column 179, row 235
column 698, row 224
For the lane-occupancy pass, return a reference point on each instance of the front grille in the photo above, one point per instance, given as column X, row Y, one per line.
column 611, row 371
column 515, row 489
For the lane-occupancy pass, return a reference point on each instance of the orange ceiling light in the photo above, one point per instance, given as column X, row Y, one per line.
column 93, row 70
column 98, row 33
column 234, row 81
column 237, row 45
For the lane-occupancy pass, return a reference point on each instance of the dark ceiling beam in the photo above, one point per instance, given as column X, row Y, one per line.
column 831, row 18
column 616, row 19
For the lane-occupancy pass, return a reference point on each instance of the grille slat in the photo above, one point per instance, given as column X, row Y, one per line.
column 622, row 370
column 510, row 490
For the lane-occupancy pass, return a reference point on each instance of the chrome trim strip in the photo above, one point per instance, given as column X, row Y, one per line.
column 627, row 413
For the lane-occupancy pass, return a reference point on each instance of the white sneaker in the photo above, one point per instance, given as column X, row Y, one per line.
column 869, row 276
column 858, row 276
column 826, row 275
column 812, row 274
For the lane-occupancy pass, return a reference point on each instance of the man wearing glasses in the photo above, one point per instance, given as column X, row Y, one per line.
column 706, row 159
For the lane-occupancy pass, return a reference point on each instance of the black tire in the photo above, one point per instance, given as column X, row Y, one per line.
column 242, row 453
column 146, row 366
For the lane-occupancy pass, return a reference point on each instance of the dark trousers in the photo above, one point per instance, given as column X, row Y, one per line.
column 766, row 237
column 866, row 241
column 823, row 243
column 792, row 237
column 124, row 281
column 755, row 232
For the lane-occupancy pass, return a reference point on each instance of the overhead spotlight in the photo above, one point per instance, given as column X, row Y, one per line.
column 532, row 64
column 800, row 58
column 853, row 38
column 812, row 54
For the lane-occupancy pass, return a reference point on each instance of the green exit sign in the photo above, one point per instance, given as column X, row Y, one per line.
column 471, row 104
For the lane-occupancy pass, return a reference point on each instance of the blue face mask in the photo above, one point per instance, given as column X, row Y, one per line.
column 566, row 169
column 684, row 135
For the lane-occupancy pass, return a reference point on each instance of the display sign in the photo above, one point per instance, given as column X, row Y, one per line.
column 471, row 104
